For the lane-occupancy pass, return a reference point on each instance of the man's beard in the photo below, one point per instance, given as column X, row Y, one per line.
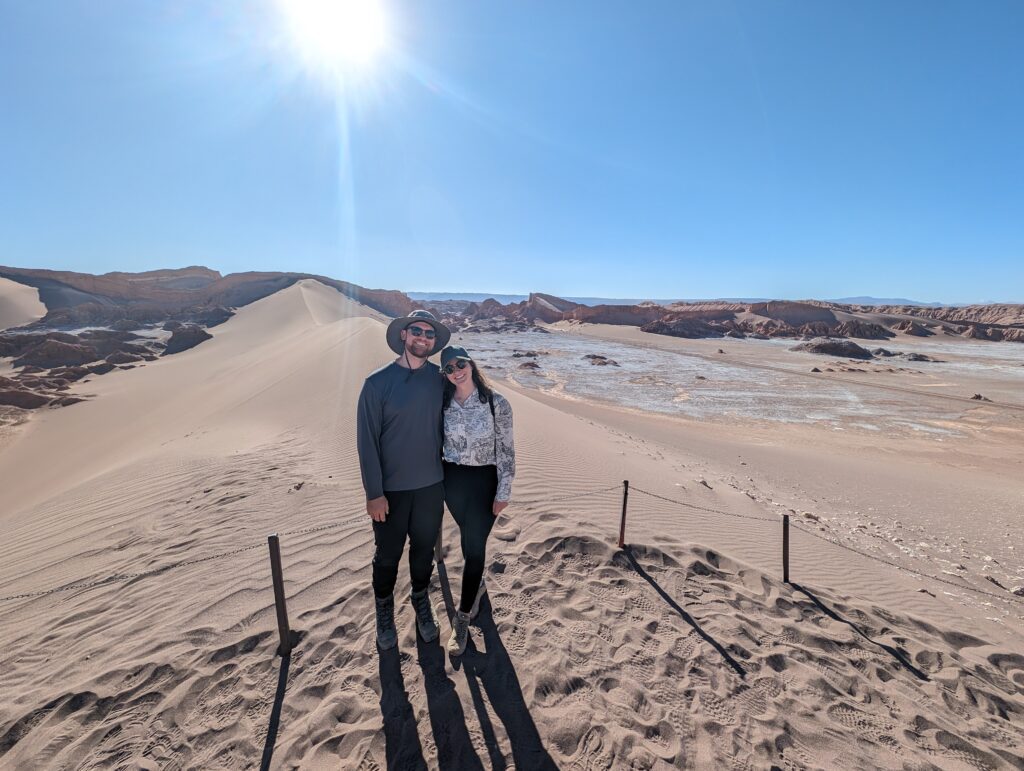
column 419, row 351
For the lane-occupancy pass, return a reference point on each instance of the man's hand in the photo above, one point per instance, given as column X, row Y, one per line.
column 377, row 508
column 499, row 506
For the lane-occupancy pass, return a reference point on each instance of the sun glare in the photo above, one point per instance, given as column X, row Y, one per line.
column 338, row 37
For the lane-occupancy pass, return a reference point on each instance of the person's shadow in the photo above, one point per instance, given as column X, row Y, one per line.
column 401, row 741
column 493, row 672
column 447, row 719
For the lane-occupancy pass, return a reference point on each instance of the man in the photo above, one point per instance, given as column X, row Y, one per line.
column 399, row 441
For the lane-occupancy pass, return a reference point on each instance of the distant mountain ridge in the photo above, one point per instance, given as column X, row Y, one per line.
column 195, row 293
column 516, row 298
column 198, row 294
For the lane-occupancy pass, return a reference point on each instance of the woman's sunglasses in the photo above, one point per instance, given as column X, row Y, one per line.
column 417, row 331
column 450, row 368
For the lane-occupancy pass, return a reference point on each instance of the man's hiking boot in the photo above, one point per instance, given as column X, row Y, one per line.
column 460, row 633
column 426, row 619
column 476, row 603
column 387, row 635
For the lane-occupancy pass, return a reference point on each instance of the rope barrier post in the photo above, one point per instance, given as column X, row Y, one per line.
column 282, row 611
column 785, row 548
column 622, row 524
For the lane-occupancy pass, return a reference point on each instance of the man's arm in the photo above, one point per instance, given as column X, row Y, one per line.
column 369, row 419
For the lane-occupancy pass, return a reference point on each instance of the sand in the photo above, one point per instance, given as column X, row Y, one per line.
column 684, row 650
column 19, row 304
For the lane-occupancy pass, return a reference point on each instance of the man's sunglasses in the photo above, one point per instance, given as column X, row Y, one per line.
column 450, row 368
column 418, row 331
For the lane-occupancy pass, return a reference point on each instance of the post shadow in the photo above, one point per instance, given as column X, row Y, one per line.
column 494, row 672
column 275, row 712
column 402, row 748
column 894, row 652
column 733, row 663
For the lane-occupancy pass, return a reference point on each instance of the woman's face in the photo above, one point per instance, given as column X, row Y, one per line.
column 458, row 372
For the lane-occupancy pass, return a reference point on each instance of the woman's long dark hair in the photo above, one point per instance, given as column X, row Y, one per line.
column 483, row 388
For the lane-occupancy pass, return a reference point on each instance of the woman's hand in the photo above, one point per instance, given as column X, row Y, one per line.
column 499, row 506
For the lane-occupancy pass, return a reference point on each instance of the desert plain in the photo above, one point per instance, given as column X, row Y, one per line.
column 137, row 619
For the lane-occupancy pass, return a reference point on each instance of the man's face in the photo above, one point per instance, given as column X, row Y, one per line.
column 415, row 338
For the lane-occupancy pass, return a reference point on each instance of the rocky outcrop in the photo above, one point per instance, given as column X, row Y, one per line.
column 792, row 313
column 185, row 337
column 102, row 368
column 682, row 327
column 911, row 328
column 70, row 373
column 762, row 320
column 830, row 347
column 995, row 314
column 26, row 400
column 864, row 330
column 630, row 315
column 55, row 353
column 120, row 357
column 600, row 361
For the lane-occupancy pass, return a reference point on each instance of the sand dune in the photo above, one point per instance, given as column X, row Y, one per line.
column 19, row 304
column 673, row 653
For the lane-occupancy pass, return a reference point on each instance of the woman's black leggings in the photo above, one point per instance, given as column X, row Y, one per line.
column 469, row 492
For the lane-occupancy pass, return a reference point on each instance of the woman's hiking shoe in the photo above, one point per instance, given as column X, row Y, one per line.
column 460, row 633
column 426, row 619
column 387, row 635
column 476, row 603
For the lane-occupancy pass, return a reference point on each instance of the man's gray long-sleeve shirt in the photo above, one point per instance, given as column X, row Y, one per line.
column 398, row 429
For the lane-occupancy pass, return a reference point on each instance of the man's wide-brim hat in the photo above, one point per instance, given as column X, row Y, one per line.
column 394, row 334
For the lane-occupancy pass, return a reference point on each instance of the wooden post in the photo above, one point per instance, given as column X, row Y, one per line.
column 785, row 548
column 285, row 648
column 622, row 524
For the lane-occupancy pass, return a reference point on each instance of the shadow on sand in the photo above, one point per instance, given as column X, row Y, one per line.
column 493, row 673
column 683, row 614
column 895, row 653
column 401, row 741
column 447, row 719
column 275, row 712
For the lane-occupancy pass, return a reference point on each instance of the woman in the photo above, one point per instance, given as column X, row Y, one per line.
column 479, row 464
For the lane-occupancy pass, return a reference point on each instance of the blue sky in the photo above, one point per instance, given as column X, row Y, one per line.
column 643, row 149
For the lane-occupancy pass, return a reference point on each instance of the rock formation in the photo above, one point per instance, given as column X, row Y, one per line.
column 185, row 337
column 831, row 347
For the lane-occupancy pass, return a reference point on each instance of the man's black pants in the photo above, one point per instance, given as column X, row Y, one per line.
column 412, row 514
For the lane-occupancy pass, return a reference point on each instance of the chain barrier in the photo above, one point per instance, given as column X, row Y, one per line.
column 584, row 494
column 699, row 508
column 890, row 563
column 117, row 577
column 799, row 526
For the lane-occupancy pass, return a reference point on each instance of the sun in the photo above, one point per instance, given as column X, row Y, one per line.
column 337, row 37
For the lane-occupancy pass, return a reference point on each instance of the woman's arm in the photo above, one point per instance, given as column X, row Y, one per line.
column 504, row 447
